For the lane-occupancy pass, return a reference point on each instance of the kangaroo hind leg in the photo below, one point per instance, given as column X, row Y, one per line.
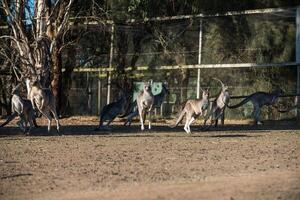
column 22, row 124
column 47, row 114
column 149, row 119
column 189, row 119
column 53, row 111
column 256, row 115
column 141, row 113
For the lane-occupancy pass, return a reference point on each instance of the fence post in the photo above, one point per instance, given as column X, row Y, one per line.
column 99, row 93
column 298, row 59
column 89, row 91
column 199, row 59
column 111, row 55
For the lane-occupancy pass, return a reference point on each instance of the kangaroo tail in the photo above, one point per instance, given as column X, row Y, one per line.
column 180, row 118
column 239, row 104
column 9, row 119
column 103, row 114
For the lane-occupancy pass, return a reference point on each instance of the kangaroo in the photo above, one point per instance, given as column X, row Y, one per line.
column 259, row 99
column 217, row 107
column 111, row 111
column 158, row 100
column 145, row 101
column 44, row 100
column 193, row 109
column 22, row 108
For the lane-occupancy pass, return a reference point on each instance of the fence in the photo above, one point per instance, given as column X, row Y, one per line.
column 249, row 51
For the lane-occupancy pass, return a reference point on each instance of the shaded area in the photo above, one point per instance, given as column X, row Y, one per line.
column 231, row 136
column 135, row 129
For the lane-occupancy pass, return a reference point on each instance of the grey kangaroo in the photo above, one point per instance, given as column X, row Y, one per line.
column 145, row 102
column 217, row 107
column 158, row 100
column 259, row 99
column 44, row 100
column 110, row 111
column 22, row 108
column 193, row 109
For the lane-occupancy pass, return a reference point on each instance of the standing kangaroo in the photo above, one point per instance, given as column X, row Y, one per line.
column 145, row 101
column 158, row 100
column 22, row 108
column 193, row 109
column 259, row 99
column 217, row 107
column 43, row 99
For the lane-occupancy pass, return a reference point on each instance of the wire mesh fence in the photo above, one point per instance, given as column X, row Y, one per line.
column 90, row 99
column 256, row 38
column 141, row 48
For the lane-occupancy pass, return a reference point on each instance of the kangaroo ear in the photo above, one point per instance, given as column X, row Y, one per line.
column 280, row 90
column 151, row 82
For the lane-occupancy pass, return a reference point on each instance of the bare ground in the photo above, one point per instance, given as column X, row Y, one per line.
column 231, row 162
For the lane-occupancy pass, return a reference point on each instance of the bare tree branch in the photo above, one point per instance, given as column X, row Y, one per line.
column 63, row 24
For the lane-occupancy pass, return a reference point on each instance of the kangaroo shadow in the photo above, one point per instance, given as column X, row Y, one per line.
column 232, row 136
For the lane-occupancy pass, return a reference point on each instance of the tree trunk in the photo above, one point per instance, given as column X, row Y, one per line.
column 185, row 84
column 57, row 76
column 70, row 64
column 5, row 103
column 122, row 50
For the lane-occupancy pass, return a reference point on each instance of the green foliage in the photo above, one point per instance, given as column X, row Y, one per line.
column 276, row 41
column 237, row 39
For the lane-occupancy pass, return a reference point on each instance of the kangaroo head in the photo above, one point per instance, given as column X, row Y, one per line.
column 224, row 88
column 205, row 94
column 147, row 86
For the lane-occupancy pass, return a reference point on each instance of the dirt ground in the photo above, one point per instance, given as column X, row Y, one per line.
column 237, row 161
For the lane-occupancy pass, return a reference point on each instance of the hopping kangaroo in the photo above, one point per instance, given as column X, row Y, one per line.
column 158, row 100
column 112, row 110
column 259, row 99
column 22, row 108
column 145, row 101
column 43, row 99
column 193, row 109
column 217, row 107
